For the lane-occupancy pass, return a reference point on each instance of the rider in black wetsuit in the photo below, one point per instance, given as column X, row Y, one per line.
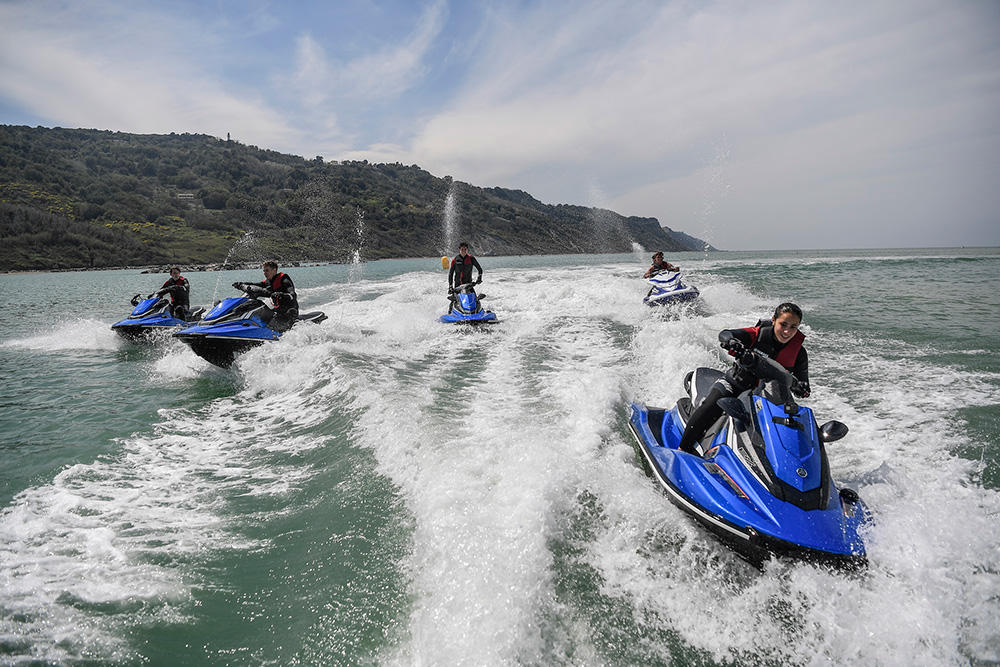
column 461, row 267
column 659, row 265
column 180, row 294
column 281, row 289
column 779, row 339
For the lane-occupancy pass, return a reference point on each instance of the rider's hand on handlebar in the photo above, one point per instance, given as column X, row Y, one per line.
column 800, row 389
column 238, row 285
column 734, row 346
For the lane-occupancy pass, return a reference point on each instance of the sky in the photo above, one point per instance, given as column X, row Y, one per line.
column 753, row 125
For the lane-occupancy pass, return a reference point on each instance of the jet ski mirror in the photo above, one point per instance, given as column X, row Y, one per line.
column 832, row 431
column 735, row 409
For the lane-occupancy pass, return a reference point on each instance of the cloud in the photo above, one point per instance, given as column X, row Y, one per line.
column 371, row 78
column 51, row 66
column 830, row 113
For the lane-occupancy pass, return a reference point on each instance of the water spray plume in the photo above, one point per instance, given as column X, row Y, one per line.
column 357, row 265
column 450, row 218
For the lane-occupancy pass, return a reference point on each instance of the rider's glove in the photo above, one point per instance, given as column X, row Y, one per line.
column 733, row 345
column 800, row 389
column 238, row 285
column 479, row 280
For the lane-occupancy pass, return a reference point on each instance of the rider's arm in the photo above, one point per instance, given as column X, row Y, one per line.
column 726, row 336
column 451, row 273
column 801, row 371
column 478, row 268
column 650, row 271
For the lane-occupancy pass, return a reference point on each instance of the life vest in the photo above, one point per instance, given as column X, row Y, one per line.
column 170, row 282
column 276, row 286
column 789, row 353
column 463, row 268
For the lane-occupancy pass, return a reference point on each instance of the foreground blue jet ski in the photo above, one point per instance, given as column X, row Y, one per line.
column 666, row 287
column 150, row 316
column 233, row 326
column 466, row 308
column 764, row 485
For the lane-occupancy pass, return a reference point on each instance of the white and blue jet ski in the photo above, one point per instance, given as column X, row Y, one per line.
column 666, row 287
column 150, row 316
column 762, row 483
column 235, row 325
column 466, row 307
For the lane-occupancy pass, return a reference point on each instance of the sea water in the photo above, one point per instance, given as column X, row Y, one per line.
column 386, row 489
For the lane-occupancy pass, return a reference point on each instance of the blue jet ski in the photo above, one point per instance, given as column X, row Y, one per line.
column 235, row 325
column 466, row 308
column 763, row 485
column 150, row 316
column 666, row 287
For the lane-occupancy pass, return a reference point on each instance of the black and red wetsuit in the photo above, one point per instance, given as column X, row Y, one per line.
column 461, row 270
column 792, row 355
column 281, row 289
column 180, row 295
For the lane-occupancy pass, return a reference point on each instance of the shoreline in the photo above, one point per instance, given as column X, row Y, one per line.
column 242, row 266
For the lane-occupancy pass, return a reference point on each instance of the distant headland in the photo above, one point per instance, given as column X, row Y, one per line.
column 85, row 199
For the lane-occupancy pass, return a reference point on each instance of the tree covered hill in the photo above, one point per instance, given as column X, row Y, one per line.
column 92, row 198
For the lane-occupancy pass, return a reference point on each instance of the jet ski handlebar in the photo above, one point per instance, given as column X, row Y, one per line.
column 464, row 286
column 251, row 290
column 769, row 370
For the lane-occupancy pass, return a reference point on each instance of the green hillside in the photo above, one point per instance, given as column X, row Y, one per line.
column 91, row 198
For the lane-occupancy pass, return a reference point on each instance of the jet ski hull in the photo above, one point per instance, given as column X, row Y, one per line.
column 473, row 318
column 220, row 344
column 138, row 331
column 667, row 298
column 728, row 500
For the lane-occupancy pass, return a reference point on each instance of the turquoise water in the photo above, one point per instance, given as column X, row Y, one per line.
column 383, row 489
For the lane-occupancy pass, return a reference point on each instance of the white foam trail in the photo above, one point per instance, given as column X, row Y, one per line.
column 125, row 533
column 488, row 479
column 493, row 439
column 79, row 334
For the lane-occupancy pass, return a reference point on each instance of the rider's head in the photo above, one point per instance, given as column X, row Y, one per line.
column 270, row 268
column 175, row 272
column 786, row 321
column 463, row 248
